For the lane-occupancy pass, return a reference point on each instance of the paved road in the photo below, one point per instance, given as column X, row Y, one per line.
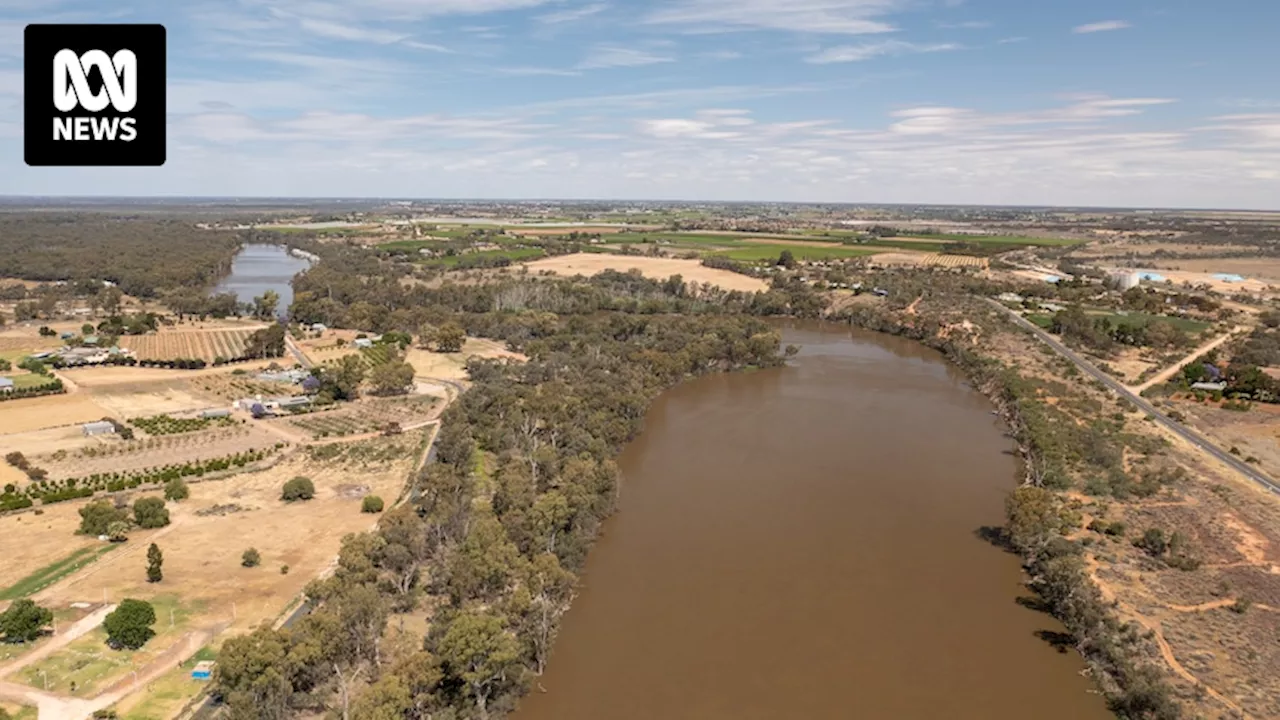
column 1181, row 430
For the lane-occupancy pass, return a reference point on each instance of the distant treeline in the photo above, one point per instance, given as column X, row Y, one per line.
column 141, row 256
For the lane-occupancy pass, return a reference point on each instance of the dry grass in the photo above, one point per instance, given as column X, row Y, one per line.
column 17, row 416
column 452, row 366
column 654, row 268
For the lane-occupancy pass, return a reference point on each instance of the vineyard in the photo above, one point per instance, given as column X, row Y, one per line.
column 378, row 354
column 207, row 345
column 169, row 425
column 365, row 417
column 140, row 454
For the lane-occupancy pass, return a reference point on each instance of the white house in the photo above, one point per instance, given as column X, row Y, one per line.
column 6, row 385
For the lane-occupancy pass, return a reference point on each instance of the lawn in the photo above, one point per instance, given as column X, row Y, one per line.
column 52, row 573
column 29, row 380
column 91, row 665
column 756, row 253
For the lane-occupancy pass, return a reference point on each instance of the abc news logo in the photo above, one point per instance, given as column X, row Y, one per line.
column 94, row 95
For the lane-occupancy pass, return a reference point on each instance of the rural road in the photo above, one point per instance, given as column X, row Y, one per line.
column 59, row 641
column 1179, row 429
column 1174, row 368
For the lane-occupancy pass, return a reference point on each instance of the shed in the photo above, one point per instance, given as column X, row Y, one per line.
column 203, row 670
column 6, row 385
column 91, row 340
column 363, row 343
column 102, row 427
column 216, row 413
column 1209, row 386
column 319, row 327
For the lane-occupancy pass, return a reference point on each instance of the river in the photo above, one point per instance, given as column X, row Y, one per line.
column 800, row 543
column 258, row 268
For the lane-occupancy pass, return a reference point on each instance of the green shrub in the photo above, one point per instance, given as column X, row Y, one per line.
column 299, row 488
column 251, row 558
column 371, row 504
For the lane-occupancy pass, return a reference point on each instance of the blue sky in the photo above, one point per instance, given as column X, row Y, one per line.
column 1067, row 102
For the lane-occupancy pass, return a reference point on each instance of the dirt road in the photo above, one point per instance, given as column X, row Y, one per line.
column 1173, row 369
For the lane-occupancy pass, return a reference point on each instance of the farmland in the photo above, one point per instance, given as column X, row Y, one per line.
column 758, row 253
column 206, row 345
column 230, row 386
column 169, row 425
column 365, row 416
column 154, row 452
column 205, row 591
column 656, row 268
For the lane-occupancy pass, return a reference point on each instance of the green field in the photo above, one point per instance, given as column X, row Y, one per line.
column 29, row 380
column 756, row 253
column 515, row 255
column 52, row 573
column 1011, row 240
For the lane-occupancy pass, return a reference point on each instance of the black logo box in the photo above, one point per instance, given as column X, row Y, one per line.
column 42, row 43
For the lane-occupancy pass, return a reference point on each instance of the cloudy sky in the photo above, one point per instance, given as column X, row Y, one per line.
column 1165, row 103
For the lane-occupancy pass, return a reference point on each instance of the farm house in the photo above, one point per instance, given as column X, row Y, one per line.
column 102, row 427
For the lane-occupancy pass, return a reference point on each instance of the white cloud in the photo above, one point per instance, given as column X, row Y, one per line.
column 572, row 14
column 857, row 53
column 966, row 25
column 531, row 71
column 840, row 17
column 1105, row 26
column 610, row 56
column 340, row 31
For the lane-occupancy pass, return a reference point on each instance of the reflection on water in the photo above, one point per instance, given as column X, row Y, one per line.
column 259, row 268
column 800, row 543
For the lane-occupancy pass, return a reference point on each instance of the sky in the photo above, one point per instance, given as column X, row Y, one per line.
column 1116, row 103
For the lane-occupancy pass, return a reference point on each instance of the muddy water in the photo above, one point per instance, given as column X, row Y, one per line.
column 799, row 543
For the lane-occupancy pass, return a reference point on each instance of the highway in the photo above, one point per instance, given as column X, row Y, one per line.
column 1181, row 430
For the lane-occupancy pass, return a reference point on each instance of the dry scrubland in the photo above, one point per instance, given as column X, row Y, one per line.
column 452, row 366
column 656, row 268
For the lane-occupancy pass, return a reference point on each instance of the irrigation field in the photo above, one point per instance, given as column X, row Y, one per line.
column 203, row 344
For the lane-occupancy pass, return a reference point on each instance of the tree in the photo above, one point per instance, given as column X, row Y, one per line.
column 299, row 488
column 109, row 299
column 786, row 259
column 251, row 558
column 154, row 560
column 371, row 504
column 266, row 342
column 129, row 625
column 253, row 675
column 24, row 621
column 97, row 517
column 478, row 650
column 342, row 380
column 176, row 490
column 450, row 337
column 391, row 378
column 118, row 532
column 150, row 513
column 264, row 306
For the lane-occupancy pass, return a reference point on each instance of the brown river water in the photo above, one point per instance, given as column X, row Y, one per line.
column 800, row 543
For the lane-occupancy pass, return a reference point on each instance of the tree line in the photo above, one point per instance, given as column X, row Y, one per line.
column 496, row 529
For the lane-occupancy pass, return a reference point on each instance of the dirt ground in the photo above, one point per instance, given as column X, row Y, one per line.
column 655, row 268
column 1255, row 433
column 452, row 366
column 18, row 416
column 1265, row 269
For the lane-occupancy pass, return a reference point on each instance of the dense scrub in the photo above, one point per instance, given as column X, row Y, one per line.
column 140, row 256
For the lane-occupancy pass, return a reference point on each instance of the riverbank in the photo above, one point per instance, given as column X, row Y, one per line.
column 1101, row 485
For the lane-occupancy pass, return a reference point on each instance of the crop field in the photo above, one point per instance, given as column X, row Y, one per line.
column 1011, row 240
column 514, row 255
column 654, row 268
column 365, row 416
column 229, row 386
column 169, row 425
column 185, row 344
column 154, row 452
column 894, row 259
column 757, row 253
